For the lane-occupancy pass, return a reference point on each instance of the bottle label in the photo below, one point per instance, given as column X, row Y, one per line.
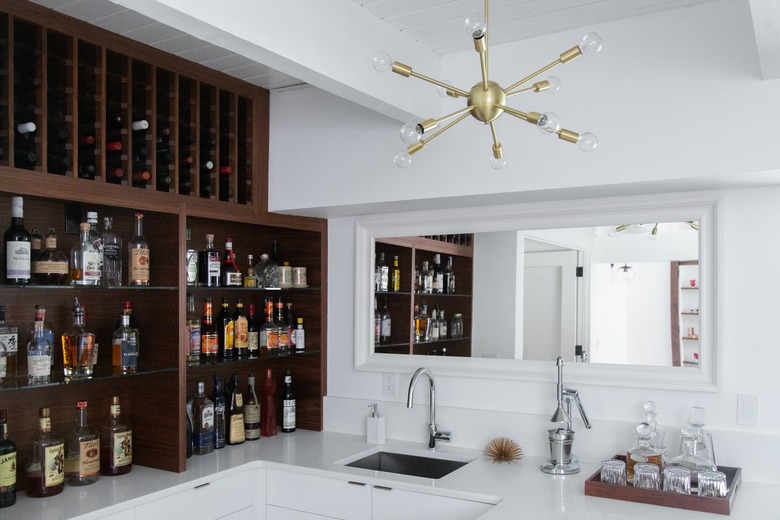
column 253, row 341
column 139, row 265
column 272, row 338
column 39, row 366
column 241, row 333
column 288, row 414
column 237, row 434
column 207, row 417
column 233, row 279
column 91, row 268
column 191, row 267
column 123, row 449
column 2, row 367
column 89, row 458
column 48, row 267
column 54, row 465
column 219, row 425
column 209, row 344
column 10, row 341
column 127, row 351
column 7, row 469
column 300, row 339
column 17, row 259
column 193, row 333
column 111, row 251
column 386, row 324
column 229, row 336
column 252, row 421
column 214, row 266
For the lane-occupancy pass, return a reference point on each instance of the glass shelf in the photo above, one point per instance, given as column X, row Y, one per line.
column 264, row 356
column 58, row 378
column 33, row 287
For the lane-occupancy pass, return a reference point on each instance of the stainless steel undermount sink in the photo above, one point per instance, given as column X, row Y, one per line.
column 415, row 465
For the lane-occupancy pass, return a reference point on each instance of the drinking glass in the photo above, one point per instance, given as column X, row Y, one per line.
column 677, row 480
column 646, row 476
column 712, row 484
column 613, row 471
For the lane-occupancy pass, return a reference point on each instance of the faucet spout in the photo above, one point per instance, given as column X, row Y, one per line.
column 435, row 434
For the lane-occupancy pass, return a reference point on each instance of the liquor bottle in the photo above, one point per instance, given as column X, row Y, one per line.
column 209, row 337
column 300, row 336
column 434, row 326
column 288, row 404
column 395, row 279
column 289, row 323
column 193, row 332
column 139, row 255
column 240, row 331
column 112, row 255
column 39, row 350
column 231, row 274
column 50, row 265
column 128, row 308
column 78, row 347
column 438, row 274
column 9, row 337
column 202, row 413
column 268, row 409
column 448, row 286
column 220, row 413
column 384, row 274
column 283, row 330
column 96, row 238
column 226, row 330
column 82, row 452
column 249, row 276
column 36, row 243
column 260, row 270
column 270, row 271
column 251, row 412
column 209, row 264
column 442, row 325
column 3, row 363
column 188, row 432
column 235, row 419
column 18, row 251
column 269, row 332
column 421, row 330
column 377, row 324
column 253, row 333
column 385, row 324
column 8, row 464
column 125, row 345
column 427, row 278
column 116, row 443
column 45, row 469
column 191, row 264
column 84, row 260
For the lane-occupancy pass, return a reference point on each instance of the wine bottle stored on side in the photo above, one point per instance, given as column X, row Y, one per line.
column 82, row 452
column 45, row 470
column 7, row 464
column 235, row 419
column 18, row 247
column 116, row 443
column 288, row 404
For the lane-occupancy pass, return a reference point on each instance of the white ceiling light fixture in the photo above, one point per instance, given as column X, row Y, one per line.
column 486, row 101
column 624, row 274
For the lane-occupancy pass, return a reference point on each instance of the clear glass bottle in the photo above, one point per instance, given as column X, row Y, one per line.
column 39, row 350
column 82, row 452
column 3, row 362
column 50, row 266
column 84, row 260
column 300, row 336
column 240, row 330
column 78, row 347
column 231, row 273
column 437, row 275
column 8, row 464
column 220, row 413
column 422, row 326
column 442, row 325
column 270, row 272
column 18, row 249
column 644, row 451
column 44, row 474
column 456, row 329
column 201, row 409
column 260, row 270
column 209, row 264
column 288, row 404
column 9, row 337
column 433, row 326
column 96, row 238
column 251, row 412
column 116, row 443
column 427, row 278
column 235, row 419
column 384, row 274
column 139, row 261
column 449, row 278
column 112, row 255
column 193, row 332
column 696, row 450
column 125, row 345
column 253, row 333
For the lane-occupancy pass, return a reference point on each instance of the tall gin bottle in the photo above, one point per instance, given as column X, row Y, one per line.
column 45, row 470
column 112, row 255
column 139, row 265
column 82, row 452
column 96, row 238
column 39, row 350
column 116, row 443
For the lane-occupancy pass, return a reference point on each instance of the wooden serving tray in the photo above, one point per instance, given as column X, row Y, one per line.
column 594, row 487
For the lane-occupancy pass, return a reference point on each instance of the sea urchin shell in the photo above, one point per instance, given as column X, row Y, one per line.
column 502, row 449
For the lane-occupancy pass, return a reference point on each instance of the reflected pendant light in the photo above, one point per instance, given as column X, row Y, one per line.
column 486, row 100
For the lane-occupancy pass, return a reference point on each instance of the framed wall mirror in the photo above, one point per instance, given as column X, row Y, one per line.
column 624, row 291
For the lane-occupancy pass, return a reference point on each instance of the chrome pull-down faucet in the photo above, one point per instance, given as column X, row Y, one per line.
column 435, row 434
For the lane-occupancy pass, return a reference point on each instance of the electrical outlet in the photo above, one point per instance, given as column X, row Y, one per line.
column 747, row 409
column 388, row 384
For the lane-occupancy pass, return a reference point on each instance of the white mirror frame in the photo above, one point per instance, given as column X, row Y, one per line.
column 548, row 215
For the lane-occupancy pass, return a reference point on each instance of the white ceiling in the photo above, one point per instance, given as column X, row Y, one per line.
column 433, row 24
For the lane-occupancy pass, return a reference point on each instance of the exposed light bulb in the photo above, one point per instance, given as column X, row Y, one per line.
column 587, row 142
column 612, row 232
column 591, row 43
column 497, row 163
column 443, row 91
column 403, row 159
column 383, row 62
column 555, row 85
column 549, row 123
column 476, row 25
column 410, row 133
column 625, row 274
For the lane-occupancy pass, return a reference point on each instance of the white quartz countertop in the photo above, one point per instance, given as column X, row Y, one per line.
column 520, row 490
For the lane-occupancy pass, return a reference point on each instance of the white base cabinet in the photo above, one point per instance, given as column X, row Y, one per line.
column 392, row 504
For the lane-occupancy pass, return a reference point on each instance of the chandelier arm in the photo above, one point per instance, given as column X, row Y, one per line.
column 484, row 57
column 449, row 88
column 445, row 128
column 430, row 124
column 514, row 112
column 544, row 69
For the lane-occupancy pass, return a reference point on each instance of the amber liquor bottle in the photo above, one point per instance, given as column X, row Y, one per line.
column 116, row 443
column 209, row 337
column 7, row 464
column 226, row 330
column 240, row 330
column 82, row 452
column 45, row 471
column 235, row 419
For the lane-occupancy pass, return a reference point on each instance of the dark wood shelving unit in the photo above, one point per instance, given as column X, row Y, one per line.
column 83, row 88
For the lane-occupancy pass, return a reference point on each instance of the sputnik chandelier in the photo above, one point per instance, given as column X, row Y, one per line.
column 486, row 100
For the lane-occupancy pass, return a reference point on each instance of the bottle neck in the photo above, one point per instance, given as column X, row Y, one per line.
column 115, row 411
column 83, row 417
column 139, row 227
column 44, row 424
column 78, row 319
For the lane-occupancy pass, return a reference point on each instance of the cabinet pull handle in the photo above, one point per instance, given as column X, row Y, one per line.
column 202, row 485
column 355, row 483
column 384, row 488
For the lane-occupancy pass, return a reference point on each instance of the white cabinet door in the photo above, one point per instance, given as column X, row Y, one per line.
column 250, row 513
column 282, row 513
column 394, row 504
column 127, row 514
column 330, row 498
column 213, row 500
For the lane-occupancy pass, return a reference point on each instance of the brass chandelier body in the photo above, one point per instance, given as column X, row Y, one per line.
column 487, row 100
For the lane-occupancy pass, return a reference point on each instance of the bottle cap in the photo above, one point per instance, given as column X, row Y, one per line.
column 81, row 404
column 84, row 226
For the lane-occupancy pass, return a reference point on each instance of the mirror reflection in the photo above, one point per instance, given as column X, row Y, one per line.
column 623, row 294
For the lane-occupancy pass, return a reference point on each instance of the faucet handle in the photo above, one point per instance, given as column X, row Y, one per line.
column 443, row 436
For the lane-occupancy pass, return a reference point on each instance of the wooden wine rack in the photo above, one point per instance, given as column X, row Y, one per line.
column 83, row 87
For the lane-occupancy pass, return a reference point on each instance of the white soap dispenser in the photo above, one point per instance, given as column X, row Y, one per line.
column 375, row 427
